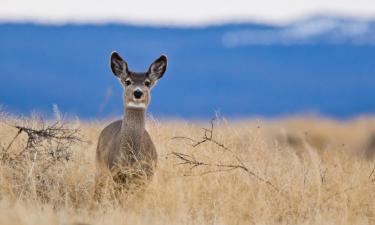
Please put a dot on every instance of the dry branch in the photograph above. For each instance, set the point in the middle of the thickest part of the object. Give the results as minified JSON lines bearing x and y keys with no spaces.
{"x":51,"y":142}
{"x":371,"y":181}
{"x":207,"y":137}
{"x":42,"y":149}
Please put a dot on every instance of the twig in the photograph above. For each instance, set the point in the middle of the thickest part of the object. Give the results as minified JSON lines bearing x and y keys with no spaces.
{"x":348,"y":189}
{"x":11,"y":142}
{"x":208,"y":137}
{"x":49,"y":141}
{"x":372,"y":172}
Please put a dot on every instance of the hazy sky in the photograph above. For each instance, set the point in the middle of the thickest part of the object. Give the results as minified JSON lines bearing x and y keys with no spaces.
{"x":177,"y":12}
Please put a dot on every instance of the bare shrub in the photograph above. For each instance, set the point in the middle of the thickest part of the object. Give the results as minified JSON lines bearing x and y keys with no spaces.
{"x":208,"y":137}
{"x":46,"y":148}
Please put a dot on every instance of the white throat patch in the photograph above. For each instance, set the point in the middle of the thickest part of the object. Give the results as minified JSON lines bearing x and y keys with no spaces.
{"x":136,"y":105}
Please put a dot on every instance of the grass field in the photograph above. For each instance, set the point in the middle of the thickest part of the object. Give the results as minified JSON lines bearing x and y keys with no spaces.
{"x":256,"y":171}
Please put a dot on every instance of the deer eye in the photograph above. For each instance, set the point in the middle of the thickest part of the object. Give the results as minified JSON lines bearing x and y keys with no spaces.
{"x":148,"y":83}
{"x":128,"y":82}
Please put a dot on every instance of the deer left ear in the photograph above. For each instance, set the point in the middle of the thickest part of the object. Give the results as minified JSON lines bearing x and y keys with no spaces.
{"x":118,"y":65}
{"x":158,"y":68}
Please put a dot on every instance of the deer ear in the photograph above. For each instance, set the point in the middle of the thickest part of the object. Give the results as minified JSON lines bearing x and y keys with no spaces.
{"x":118,"y":65}
{"x":158,"y":68}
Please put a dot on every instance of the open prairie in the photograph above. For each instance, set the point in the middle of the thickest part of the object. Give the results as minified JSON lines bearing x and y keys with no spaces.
{"x":301,"y":170}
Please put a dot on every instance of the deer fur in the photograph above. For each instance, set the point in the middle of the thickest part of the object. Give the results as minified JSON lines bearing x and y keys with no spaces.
{"x":125,"y":144}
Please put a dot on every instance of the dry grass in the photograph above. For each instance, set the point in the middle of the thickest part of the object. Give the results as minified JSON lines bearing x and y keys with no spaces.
{"x":318,"y":166}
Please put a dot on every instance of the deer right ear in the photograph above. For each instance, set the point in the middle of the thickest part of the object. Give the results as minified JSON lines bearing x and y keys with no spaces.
{"x":157,"y":68}
{"x":118,"y":65}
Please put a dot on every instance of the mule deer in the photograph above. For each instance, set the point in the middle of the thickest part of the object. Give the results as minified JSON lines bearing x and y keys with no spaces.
{"x":125,"y":144}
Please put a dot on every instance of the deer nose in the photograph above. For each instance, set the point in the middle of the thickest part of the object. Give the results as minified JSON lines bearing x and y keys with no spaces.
{"x":138,"y":94}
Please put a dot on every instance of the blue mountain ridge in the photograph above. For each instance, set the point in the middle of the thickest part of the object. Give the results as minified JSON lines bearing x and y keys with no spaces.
{"x":322,"y":65}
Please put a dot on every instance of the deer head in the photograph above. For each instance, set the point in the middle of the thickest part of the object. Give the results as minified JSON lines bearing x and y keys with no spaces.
{"x":137,"y":85}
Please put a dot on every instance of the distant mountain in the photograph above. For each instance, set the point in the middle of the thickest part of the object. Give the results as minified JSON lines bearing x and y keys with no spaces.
{"x":335,"y":31}
{"x":315,"y":30}
{"x":320,"y":64}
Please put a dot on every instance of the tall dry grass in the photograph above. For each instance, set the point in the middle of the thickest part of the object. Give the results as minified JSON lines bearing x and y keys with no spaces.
{"x":320,"y":168}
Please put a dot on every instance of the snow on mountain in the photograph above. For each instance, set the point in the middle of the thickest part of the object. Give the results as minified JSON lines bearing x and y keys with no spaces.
{"x":322,"y":30}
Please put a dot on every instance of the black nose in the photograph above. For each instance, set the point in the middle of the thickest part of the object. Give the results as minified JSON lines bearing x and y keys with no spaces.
{"x":138,"y":94}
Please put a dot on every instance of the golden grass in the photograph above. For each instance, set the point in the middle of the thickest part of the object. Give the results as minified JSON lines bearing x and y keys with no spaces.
{"x":318,"y":166}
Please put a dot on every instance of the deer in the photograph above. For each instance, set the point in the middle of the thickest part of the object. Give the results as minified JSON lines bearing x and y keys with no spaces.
{"x":125,"y":147}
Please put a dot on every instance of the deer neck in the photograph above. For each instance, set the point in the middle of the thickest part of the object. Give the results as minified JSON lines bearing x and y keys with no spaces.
{"x":132,"y":129}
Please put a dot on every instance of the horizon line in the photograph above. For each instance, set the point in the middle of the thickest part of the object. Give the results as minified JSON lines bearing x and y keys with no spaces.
{"x":182,"y":24}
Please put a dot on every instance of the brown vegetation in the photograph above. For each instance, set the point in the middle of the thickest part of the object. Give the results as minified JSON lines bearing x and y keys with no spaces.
{"x":289,"y":171}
